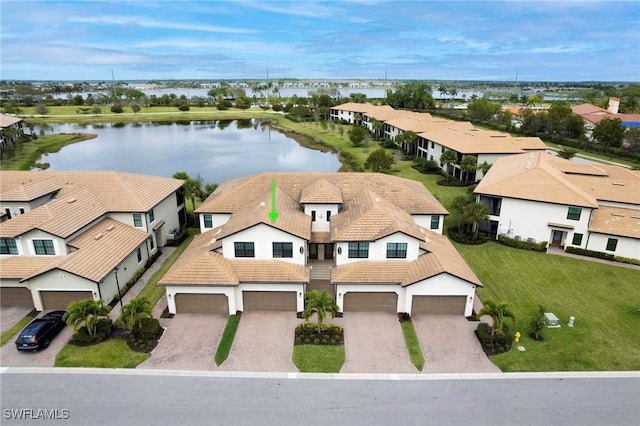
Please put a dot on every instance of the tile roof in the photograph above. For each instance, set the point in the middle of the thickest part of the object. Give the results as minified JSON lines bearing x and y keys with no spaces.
{"x":27,"y":190}
{"x":354,"y":107}
{"x":8,"y":120}
{"x":441,"y":257}
{"x":200,"y":265}
{"x":616,"y":221}
{"x":368,"y":217}
{"x":98,"y":251}
{"x":118,"y":191}
{"x":18,"y":267}
{"x":61,"y":217}
{"x":532,"y":176}
{"x":474,"y":141}
{"x":321,"y":191}
{"x":408,"y":195}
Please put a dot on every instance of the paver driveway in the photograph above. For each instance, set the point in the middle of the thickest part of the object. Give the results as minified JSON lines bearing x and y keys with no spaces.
{"x":10,"y":357}
{"x":450,"y":345}
{"x":189,"y":342}
{"x":10,"y":315}
{"x":374,"y":343}
{"x":263,"y":342}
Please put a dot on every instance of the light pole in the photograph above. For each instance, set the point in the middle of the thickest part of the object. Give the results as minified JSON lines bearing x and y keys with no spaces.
{"x":115,"y":271}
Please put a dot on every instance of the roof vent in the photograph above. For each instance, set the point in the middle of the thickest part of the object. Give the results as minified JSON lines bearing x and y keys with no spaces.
{"x":72,"y":200}
{"x":97,"y":237}
{"x":618,"y":183}
{"x":262,"y":204}
{"x":617,"y":215}
{"x":110,"y":227}
{"x":377,"y":199}
{"x":634,"y":217}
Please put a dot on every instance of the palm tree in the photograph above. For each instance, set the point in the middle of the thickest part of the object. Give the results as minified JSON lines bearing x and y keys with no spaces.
{"x":458,"y":204}
{"x":192,"y":187}
{"x":484,"y":168}
{"x":468,"y":164}
{"x":137,"y":308}
{"x":408,"y":141}
{"x":498,"y":312}
{"x":474,"y":213}
{"x":85,"y":313}
{"x":448,"y":158}
{"x":319,"y":303}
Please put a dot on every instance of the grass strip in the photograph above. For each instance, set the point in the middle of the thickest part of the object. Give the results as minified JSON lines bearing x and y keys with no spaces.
{"x":152,"y":291}
{"x":7,"y":335}
{"x":318,"y":358}
{"x":28,"y":153}
{"x":226,"y":341}
{"x":112,"y":353}
{"x":413,"y":344}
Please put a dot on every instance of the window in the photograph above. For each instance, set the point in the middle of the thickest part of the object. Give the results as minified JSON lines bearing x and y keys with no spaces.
{"x":152,"y":216}
{"x":612,"y":243}
{"x":244,"y":249}
{"x":574,"y":213}
{"x":8,"y":212}
{"x":179,"y":197}
{"x":139,"y":253}
{"x":435,"y":222}
{"x":208,"y":221}
{"x":432,"y":145}
{"x":577,"y":239}
{"x":282,"y":249}
{"x":151,"y":242}
{"x":8,"y":246}
{"x":328,"y":215}
{"x":137,"y":220}
{"x":21,"y":210}
{"x":396,"y":250}
{"x":313,"y":215}
{"x":44,"y":247}
{"x":358,"y":250}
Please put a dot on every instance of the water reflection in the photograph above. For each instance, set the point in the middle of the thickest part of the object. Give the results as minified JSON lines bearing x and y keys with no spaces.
{"x":218,"y":150}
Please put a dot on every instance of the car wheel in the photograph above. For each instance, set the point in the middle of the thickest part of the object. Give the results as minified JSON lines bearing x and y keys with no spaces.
{"x":46,"y":343}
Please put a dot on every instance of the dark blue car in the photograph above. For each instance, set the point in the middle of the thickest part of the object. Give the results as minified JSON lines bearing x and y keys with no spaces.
{"x":40,"y":332}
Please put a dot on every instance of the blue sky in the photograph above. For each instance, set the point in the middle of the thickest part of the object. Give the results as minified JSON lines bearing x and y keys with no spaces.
{"x":559,"y":40}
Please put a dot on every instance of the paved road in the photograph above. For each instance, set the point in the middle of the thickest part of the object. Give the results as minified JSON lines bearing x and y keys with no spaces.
{"x":145,"y":397}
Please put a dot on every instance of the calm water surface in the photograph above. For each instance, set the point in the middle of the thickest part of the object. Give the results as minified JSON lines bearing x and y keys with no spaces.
{"x":217,"y":150}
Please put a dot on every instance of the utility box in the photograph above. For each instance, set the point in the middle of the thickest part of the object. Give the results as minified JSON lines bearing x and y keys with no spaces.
{"x":551,"y":320}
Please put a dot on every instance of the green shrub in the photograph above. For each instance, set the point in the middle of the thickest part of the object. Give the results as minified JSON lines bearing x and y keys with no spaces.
{"x":629,"y":260}
{"x":525,"y":245}
{"x":104,"y":328}
{"x":493,"y":344}
{"x":307,"y":333}
{"x":590,"y":253}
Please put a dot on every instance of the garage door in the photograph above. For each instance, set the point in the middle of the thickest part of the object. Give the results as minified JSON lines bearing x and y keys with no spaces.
{"x":269,"y":301}
{"x":371,"y":302}
{"x":15,"y":296}
{"x":438,"y":305}
{"x":60,"y":299}
{"x":202,"y":303}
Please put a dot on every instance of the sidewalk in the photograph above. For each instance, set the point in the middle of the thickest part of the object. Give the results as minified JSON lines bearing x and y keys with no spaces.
{"x":559,"y":252}
{"x":144,"y":279}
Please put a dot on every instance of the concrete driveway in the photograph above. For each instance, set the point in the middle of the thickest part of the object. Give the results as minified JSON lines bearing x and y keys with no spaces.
{"x":374,"y":343}
{"x":189,"y":342}
{"x":10,"y":315}
{"x":450,"y":345}
{"x":263,"y":342}
{"x":10,"y":357}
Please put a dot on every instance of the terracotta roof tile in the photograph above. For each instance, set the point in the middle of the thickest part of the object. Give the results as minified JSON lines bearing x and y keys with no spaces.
{"x":18,"y":267}
{"x":475,"y":141}
{"x":321,"y":191}
{"x":616,"y":221}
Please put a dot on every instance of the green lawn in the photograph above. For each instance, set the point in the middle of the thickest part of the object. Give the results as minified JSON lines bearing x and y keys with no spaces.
{"x":112,"y":353}
{"x":7,"y":335}
{"x":226,"y":341}
{"x":318,"y":358}
{"x":604,"y":299}
{"x":26,"y":157}
{"x":413,"y":344}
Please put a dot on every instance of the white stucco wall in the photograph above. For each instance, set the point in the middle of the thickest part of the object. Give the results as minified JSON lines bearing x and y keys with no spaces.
{"x":26,"y":241}
{"x":166,"y":210}
{"x":263,"y":237}
{"x":626,"y":247}
{"x":528,"y":219}
{"x":440,"y":285}
{"x":424,"y":220}
{"x":342,"y":254}
{"x":378,"y":249}
{"x":342,"y":289}
{"x":218,"y":219}
{"x":321,"y":224}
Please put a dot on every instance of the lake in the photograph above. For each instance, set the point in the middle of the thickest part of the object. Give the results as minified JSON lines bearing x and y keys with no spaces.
{"x":217,"y":150}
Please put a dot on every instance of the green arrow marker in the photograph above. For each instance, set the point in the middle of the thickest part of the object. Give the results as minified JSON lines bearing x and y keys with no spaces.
{"x":273,"y":214}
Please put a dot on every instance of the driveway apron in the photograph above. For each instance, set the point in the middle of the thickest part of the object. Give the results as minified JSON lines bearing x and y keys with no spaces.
{"x":263,"y":342}
{"x":11,"y":315}
{"x":374,"y":343}
{"x":11,"y":357}
{"x":450,"y":345}
{"x":189,"y":342}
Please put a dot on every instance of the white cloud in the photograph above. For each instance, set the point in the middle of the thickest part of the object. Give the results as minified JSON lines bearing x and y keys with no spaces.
{"x":150,"y":23}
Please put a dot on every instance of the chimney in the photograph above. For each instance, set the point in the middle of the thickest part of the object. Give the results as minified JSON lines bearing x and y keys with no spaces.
{"x":614,"y":104}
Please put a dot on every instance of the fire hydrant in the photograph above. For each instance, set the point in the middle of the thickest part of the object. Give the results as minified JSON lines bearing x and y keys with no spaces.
{"x":517,"y":336}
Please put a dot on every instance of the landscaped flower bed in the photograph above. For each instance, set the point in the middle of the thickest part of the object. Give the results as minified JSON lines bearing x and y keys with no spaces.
{"x":307,"y":334}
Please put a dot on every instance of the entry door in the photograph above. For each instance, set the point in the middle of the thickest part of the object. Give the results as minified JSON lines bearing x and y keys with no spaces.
{"x":557,"y":238}
{"x":313,"y":251}
{"x":328,"y":251}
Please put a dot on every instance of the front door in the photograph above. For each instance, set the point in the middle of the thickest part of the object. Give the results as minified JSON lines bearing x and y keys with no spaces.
{"x":313,"y":251}
{"x":557,"y":238}
{"x":328,"y":251}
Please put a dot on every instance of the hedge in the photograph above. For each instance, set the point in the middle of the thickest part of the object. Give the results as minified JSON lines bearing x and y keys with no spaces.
{"x":104,"y":328}
{"x":307,"y":334}
{"x":525,"y":245}
{"x":493,"y":344}
{"x":602,"y":255}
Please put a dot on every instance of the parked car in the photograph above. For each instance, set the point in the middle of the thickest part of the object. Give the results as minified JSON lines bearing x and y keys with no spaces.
{"x":39,"y":333}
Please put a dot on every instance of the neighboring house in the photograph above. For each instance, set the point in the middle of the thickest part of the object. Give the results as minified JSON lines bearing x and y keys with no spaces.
{"x":75,"y":235}
{"x":540,"y":197}
{"x":487,"y":146}
{"x":372,"y":240}
{"x":11,"y":128}
{"x":592,"y":115}
{"x":352,"y":112}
